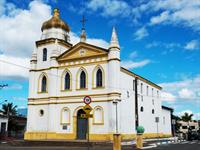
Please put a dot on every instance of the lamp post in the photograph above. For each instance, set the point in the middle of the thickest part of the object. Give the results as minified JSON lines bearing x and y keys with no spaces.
{"x":116,"y":136}
{"x":115,"y":101}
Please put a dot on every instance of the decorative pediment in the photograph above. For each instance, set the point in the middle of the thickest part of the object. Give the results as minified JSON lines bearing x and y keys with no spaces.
{"x":81,"y":51}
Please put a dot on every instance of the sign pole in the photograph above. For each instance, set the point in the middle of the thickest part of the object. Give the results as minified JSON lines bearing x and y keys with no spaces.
{"x":88,"y":131}
{"x":87,"y":108}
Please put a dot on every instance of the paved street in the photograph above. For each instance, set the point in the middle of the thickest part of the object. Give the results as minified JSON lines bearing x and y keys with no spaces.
{"x":187,"y":145}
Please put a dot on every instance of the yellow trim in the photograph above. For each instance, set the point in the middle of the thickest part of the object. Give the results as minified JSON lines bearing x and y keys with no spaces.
{"x":77,"y":96}
{"x":63,"y":80}
{"x":94,"y":75}
{"x":76,"y":110}
{"x":78,"y":78}
{"x":66,"y":90}
{"x":52,"y":41}
{"x":93,"y":137}
{"x":102,"y":116}
{"x":39,"y":83}
{"x":67,"y":102}
{"x":98,"y":88}
{"x":63,"y":136}
{"x":71,"y":66}
{"x":61,"y":116}
{"x":82,"y":89}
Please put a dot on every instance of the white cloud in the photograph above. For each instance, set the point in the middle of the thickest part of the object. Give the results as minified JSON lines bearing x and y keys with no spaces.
{"x":186,"y":89}
{"x":19,"y":99}
{"x":94,"y":41}
{"x":14,"y":87}
{"x":192,"y":45}
{"x":186,"y":93}
{"x":109,"y":7}
{"x":159,"y":19}
{"x":196,"y":115}
{"x":176,"y":12}
{"x":133,"y":54}
{"x":132,"y":64}
{"x":21,"y":28}
{"x":168,"y":97}
{"x":141,"y":33}
{"x":13,"y":67}
{"x":185,"y":111}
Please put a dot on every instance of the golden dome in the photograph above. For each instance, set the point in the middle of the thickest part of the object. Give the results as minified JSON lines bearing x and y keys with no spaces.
{"x":55,"y":22}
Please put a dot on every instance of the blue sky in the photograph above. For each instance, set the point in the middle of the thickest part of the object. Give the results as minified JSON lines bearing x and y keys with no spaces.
{"x":159,"y":40}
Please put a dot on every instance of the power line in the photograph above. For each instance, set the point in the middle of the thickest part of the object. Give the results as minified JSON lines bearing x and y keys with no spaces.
{"x":144,"y":95}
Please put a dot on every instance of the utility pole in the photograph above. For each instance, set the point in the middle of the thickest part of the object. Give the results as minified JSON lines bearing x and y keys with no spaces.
{"x":136,"y":104}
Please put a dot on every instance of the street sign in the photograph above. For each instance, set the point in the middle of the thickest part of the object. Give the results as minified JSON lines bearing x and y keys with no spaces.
{"x":86,"y":116}
{"x":157,"y":119}
{"x":87,"y":100}
{"x":87,"y":109}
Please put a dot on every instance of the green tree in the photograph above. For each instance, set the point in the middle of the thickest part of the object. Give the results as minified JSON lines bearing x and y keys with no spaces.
{"x":9,"y":109}
{"x":177,"y":124}
{"x":187,"y":117}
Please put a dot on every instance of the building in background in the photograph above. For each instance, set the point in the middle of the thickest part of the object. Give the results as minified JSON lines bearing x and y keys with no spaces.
{"x":62,"y":74}
{"x":191,"y":125}
{"x":3,"y":125}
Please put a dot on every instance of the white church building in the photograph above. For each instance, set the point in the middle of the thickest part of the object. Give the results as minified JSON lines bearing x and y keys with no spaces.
{"x":62,"y":74}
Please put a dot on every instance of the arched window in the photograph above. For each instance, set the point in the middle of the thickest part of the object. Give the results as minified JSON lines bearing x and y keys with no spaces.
{"x":65,"y":116}
{"x":67,"y":81}
{"x":99,"y":78}
{"x":44,"y":84}
{"x":82,"y":80}
{"x":98,"y":115}
{"x":44,"y":54}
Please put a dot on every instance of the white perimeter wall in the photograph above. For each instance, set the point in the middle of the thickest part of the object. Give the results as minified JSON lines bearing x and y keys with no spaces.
{"x":166,"y":121}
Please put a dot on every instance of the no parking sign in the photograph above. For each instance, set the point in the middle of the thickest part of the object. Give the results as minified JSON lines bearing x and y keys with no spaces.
{"x":87,"y":100}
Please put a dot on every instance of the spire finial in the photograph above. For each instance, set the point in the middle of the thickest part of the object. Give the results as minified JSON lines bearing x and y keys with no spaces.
{"x":83,"y":32}
{"x":56,"y":12}
{"x":114,"y":43}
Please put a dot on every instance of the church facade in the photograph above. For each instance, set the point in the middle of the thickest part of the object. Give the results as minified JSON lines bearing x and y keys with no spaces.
{"x":62,"y":74}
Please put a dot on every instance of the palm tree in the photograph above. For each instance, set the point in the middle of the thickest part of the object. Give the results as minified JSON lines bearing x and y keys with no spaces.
{"x":187,"y":117}
{"x":9,"y":109}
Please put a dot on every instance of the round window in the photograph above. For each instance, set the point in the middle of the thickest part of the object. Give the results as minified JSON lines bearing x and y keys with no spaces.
{"x":41,"y":112}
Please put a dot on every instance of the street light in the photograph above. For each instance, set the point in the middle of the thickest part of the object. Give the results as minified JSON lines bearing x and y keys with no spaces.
{"x":115,"y":101}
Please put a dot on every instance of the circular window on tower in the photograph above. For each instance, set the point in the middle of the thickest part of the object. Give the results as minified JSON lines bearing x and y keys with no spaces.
{"x":41,"y":112}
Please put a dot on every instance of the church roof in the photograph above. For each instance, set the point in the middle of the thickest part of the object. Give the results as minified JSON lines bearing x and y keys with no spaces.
{"x":167,"y":108}
{"x":99,"y":50}
{"x":55,"y":22}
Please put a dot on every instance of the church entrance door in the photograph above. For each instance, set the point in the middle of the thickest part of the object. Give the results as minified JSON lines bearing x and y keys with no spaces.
{"x":81,"y":125}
